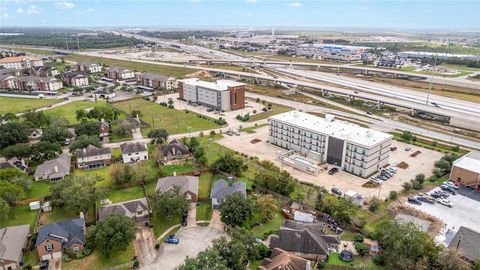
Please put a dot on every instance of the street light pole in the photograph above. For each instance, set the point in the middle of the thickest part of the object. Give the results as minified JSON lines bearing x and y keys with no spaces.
{"x":431,"y":79}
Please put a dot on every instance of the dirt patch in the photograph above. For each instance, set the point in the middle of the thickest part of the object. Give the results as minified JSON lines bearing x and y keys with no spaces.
{"x":416,"y":153}
{"x":254,"y":141}
{"x":402,"y":165}
{"x":398,"y":207}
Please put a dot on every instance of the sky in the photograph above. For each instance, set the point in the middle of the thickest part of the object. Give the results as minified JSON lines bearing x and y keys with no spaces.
{"x":399,"y":14}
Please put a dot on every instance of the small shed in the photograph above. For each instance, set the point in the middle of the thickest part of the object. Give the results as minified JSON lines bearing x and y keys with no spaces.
{"x":35,"y":205}
{"x":47,"y":206}
{"x":301,"y":216}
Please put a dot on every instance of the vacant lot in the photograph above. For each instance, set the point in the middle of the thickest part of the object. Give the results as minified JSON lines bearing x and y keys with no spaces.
{"x":422,"y":163}
{"x":174,"y":121}
{"x":140,"y":67}
{"x":17,"y":105}
{"x":68,"y":110}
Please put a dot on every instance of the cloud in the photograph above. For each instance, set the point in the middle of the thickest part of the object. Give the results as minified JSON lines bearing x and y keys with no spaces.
{"x":251,"y":1}
{"x":295,"y":5}
{"x":20,"y":11}
{"x":33,"y":10}
{"x":249,"y":14}
{"x":64,"y":5}
{"x":7,"y":16}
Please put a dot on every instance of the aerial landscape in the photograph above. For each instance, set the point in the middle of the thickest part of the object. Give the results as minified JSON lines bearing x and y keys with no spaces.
{"x":244,"y":135}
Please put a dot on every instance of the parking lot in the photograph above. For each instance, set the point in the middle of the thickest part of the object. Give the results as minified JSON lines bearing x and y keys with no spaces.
{"x":192,"y":241}
{"x":422,"y":163}
{"x":465,"y":212}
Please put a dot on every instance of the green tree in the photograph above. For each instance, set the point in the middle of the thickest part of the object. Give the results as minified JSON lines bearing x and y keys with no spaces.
{"x":19,"y":150}
{"x":136,"y":113}
{"x":122,"y":174}
{"x":230,"y":164}
{"x":407,"y":136}
{"x":89,"y":129}
{"x":270,"y":176}
{"x":267,"y":206}
{"x":4,"y":209}
{"x":235,"y":209}
{"x":114,"y":233}
{"x":11,"y":192}
{"x":45,"y":150}
{"x":12,"y":133}
{"x":124,"y":128}
{"x":393,"y":195}
{"x":420,"y":178}
{"x":57,"y":131}
{"x":105,"y":113}
{"x":8,"y":117}
{"x":81,"y":116}
{"x":341,"y":209}
{"x":192,"y":144}
{"x":169,"y":204}
{"x":158,"y":136}
{"x":374,"y":204}
{"x":83,"y":141}
{"x":209,"y":259}
{"x":199,"y":155}
{"x":407,"y":186}
{"x":35,"y":119}
{"x":76,"y":193}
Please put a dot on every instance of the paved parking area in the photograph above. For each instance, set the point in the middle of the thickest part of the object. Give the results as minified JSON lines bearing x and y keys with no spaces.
{"x":192,"y":241}
{"x":465,"y":212}
{"x":422,"y":163}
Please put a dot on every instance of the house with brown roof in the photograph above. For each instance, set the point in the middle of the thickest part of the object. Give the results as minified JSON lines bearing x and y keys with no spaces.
{"x":306,"y":240}
{"x":284,"y":260}
{"x":92,"y":157}
{"x":175,"y":150}
{"x":89,"y":67}
{"x":156,"y":81}
{"x":12,"y":243}
{"x":118,"y":73}
{"x":188,"y":185}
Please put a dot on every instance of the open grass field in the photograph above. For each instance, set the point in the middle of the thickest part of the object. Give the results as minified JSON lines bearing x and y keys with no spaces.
{"x":160,"y":224}
{"x":102,"y":176}
{"x":29,"y":50}
{"x":177,"y":72}
{"x":17,"y":105}
{"x":204,"y":211}
{"x":205,"y":182}
{"x":174,"y":121}
{"x":20,"y":215}
{"x":39,"y":189}
{"x":271,"y":225}
{"x":125,"y":194}
{"x":68,"y":110}
{"x":276,"y":109}
{"x":97,"y":261}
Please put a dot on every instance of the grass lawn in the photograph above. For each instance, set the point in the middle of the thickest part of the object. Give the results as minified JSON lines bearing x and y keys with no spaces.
{"x":125,"y":194}
{"x":170,"y":169}
{"x":68,"y":110}
{"x":213,"y":150}
{"x":31,"y":258}
{"x":204,"y":185}
{"x":17,"y":105}
{"x":251,"y":130}
{"x":271,"y":225}
{"x":178,"y":72}
{"x":102,"y":176}
{"x":58,"y":214}
{"x":255,"y":264}
{"x":276,"y":109}
{"x":160,"y":224}
{"x":204,"y":211}
{"x":39,"y":189}
{"x":97,"y":261}
{"x":20,"y":215}
{"x":358,"y":262}
{"x":174,"y":121}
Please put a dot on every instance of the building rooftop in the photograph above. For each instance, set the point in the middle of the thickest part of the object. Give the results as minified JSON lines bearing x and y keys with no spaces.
{"x":332,"y":127}
{"x":12,"y":241}
{"x":220,"y":85}
{"x":15,"y":59}
{"x":470,"y":162}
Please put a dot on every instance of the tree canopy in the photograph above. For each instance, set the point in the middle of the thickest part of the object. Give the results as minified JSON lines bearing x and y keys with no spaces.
{"x":114,"y":233}
{"x":12,"y":133}
{"x":230,"y":163}
{"x":169,"y":204}
{"x":158,"y":136}
{"x":269,"y":176}
{"x":76,"y":193}
{"x":235,"y":209}
{"x":83,"y":141}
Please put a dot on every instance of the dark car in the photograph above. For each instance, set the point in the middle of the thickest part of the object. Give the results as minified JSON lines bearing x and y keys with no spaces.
{"x":336,"y":191}
{"x":210,"y":109}
{"x":425,"y":199}
{"x":44,"y":265}
{"x":449,"y":189}
{"x":333,"y":171}
{"x":414,"y":200}
{"x":172,"y":239}
{"x":184,"y":219}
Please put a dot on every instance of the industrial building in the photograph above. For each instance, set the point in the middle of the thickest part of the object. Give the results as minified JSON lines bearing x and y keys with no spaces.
{"x":223,"y":95}
{"x":466,"y":170}
{"x":360,"y":151}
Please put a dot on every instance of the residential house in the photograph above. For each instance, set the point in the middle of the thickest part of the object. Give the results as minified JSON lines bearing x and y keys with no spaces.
{"x":175,"y":150}
{"x":35,"y":135}
{"x":133,"y":152}
{"x":89,"y":67}
{"x":221,"y":189}
{"x":306,"y":240}
{"x":156,"y":81}
{"x":135,"y":209}
{"x":104,"y":129}
{"x":34,"y":83}
{"x":12,"y":243}
{"x":284,"y":260}
{"x":54,"y":238}
{"x":118,"y":73}
{"x":55,"y":169}
{"x":75,"y":79}
{"x":188,"y":185}
{"x":21,"y":62}
{"x":103,"y":93}
{"x":92,"y":157}
{"x":466,"y":244}
{"x":8,"y":81}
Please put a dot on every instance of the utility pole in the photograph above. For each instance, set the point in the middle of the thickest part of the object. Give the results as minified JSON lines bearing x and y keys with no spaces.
{"x":431,"y":79}
{"x":78,"y":44}
{"x":66,"y":41}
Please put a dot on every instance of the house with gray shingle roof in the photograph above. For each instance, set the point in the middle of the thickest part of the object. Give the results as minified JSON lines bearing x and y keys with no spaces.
{"x":175,"y":150}
{"x":466,"y":243}
{"x":304,"y":239}
{"x":133,"y":152}
{"x":188,"y":185}
{"x":55,"y":169}
{"x":92,"y":157}
{"x":53,"y":238}
{"x":12,"y":242}
{"x":221,"y":189}
{"x":134,"y":209}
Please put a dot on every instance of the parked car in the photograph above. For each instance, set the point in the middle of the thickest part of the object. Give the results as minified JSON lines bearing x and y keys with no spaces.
{"x":332,"y":171}
{"x":408,"y":149}
{"x":374,"y":177}
{"x":184,"y":219}
{"x":425,"y":199}
{"x":449,"y":189}
{"x":445,"y":202}
{"x":383,"y":178}
{"x":439,"y":194}
{"x":450,"y":184}
{"x":414,"y":200}
{"x":229,"y":133}
{"x":393,"y":148}
{"x":236,"y":132}
{"x":392,"y":169}
{"x":336,"y":191}
{"x":44,"y":264}
{"x":172,"y":239}
{"x":377,"y":181}
{"x":369,"y":113}
{"x":210,"y":109}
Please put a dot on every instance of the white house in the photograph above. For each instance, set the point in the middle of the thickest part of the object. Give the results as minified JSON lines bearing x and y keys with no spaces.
{"x":92,"y":157}
{"x":134,"y":152}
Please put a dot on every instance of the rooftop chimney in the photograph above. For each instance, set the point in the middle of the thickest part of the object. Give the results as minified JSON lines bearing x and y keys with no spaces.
{"x":55,"y":168}
{"x":230,"y":181}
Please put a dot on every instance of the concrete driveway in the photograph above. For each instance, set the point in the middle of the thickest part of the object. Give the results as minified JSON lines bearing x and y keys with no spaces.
{"x":145,"y":246}
{"x":192,"y":215}
{"x":216,"y":222}
{"x":192,"y":241}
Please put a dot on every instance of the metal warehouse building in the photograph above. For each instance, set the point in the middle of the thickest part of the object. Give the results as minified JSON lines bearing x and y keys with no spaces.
{"x":466,"y":170}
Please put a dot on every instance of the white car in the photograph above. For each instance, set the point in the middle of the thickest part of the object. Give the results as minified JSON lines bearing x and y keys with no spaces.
{"x":392,"y":169}
{"x":450,"y":184}
{"x":445,"y":202}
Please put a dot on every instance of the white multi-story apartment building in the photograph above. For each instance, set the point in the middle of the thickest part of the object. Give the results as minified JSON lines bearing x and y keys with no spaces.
{"x":89,"y":67}
{"x":75,"y":79}
{"x":21,"y":62}
{"x":360,"y":151}
{"x":222,"y":95}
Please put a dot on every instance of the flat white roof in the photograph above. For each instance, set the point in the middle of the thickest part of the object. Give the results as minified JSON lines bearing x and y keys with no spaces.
{"x":339,"y":129}
{"x":470,"y":162}
{"x":220,"y":85}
